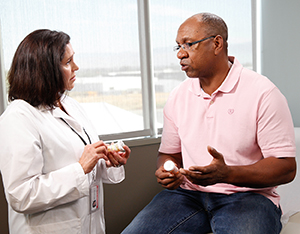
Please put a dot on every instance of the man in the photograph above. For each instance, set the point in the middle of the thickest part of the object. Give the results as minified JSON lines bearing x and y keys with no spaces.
{"x":231,"y":132}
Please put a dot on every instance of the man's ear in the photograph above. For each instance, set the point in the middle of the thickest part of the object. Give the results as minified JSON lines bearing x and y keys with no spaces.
{"x":218,"y":44}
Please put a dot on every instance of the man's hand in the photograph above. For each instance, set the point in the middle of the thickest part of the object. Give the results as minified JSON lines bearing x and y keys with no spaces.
{"x":216,"y":172}
{"x":167,"y":179}
{"x":267,"y":172}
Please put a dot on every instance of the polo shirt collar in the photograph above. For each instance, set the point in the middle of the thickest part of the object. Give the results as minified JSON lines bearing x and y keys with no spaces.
{"x":227,"y":85}
{"x":232,"y":77}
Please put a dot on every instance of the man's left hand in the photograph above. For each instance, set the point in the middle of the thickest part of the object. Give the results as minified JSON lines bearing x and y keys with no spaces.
{"x":215,"y":172}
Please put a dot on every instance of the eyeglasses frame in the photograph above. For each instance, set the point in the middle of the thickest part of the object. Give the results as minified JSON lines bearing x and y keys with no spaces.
{"x":189,"y":44}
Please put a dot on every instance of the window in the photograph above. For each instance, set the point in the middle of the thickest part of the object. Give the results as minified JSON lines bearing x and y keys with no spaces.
{"x":165,"y":20}
{"x":124,"y":51}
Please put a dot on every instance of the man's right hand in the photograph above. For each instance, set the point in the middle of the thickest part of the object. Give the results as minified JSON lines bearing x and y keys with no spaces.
{"x":167,"y":179}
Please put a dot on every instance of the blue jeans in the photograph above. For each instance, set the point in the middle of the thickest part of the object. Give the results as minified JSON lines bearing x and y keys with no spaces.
{"x":184,"y":211}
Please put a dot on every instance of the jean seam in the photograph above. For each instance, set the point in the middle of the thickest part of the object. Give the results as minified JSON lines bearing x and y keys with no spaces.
{"x":184,"y":220}
{"x":212,"y":224}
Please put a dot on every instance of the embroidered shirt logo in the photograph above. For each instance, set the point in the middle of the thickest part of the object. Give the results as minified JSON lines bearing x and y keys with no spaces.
{"x":230,"y":111}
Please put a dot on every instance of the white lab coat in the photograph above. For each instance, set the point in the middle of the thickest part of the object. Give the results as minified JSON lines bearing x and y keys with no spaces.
{"x":45,"y":186}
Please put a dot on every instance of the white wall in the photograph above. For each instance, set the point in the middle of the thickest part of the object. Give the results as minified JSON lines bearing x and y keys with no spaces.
{"x":281,"y":49}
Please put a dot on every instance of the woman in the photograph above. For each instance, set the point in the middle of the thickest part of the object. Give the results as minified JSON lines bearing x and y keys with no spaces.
{"x":51,"y":160}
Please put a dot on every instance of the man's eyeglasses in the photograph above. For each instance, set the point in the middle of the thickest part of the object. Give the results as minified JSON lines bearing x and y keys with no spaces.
{"x":186,"y":46}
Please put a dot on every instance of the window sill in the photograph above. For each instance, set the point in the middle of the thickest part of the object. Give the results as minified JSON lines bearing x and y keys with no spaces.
{"x":140,"y":141}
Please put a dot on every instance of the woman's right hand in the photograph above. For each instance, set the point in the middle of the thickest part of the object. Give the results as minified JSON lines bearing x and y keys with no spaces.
{"x":91,"y":155}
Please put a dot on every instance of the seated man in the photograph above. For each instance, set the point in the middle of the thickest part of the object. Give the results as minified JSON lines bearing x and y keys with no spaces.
{"x":230,"y":131}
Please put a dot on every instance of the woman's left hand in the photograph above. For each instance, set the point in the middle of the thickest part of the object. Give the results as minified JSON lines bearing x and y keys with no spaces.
{"x":118,"y":158}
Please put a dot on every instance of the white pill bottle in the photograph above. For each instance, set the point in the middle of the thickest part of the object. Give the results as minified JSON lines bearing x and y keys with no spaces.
{"x":170,"y":166}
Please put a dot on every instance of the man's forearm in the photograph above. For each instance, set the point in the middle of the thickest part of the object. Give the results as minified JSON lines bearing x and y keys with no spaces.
{"x":268,"y":172}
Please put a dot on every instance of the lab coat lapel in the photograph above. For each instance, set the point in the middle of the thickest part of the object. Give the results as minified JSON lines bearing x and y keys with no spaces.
{"x":58,"y":113}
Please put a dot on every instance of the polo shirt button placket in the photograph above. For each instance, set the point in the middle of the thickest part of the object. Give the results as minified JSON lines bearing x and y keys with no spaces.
{"x":209,"y":114}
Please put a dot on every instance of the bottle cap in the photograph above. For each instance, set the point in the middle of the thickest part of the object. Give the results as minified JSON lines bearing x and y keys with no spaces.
{"x":169,"y":165}
{"x":120,"y":145}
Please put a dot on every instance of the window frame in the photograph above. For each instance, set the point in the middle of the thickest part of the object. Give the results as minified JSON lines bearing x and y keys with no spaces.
{"x":3,"y":92}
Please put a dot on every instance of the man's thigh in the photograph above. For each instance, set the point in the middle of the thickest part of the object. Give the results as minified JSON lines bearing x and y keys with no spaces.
{"x":245,"y":213}
{"x":171,"y":211}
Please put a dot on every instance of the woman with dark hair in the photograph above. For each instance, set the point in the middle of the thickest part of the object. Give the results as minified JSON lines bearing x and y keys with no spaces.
{"x":52,"y":162}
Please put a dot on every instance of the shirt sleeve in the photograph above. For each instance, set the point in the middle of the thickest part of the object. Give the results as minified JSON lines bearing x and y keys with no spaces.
{"x":170,"y":140}
{"x":275,"y":130}
{"x":27,"y":188}
{"x":111,"y":175}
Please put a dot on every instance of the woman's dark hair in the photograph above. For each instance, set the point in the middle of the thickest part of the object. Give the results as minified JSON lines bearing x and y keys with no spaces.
{"x":35,"y":75}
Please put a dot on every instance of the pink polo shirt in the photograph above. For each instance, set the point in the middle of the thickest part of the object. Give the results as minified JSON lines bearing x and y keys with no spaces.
{"x":246,"y":119}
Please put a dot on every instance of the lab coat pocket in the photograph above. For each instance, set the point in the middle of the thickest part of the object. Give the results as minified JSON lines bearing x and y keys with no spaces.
{"x":66,"y":227}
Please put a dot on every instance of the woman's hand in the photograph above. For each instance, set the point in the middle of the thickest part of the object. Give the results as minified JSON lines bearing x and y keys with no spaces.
{"x":91,"y":155}
{"x":118,"y":158}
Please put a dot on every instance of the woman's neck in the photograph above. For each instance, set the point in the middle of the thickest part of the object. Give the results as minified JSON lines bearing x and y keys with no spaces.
{"x":62,"y":107}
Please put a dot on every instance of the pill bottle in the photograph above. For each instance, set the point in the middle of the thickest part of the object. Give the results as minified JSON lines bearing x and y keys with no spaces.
{"x":170,"y":166}
{"x":118,"y":146}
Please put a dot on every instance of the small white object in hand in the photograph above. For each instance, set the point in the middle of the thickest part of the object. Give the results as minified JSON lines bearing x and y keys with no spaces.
{"x":170,"y":166}
{"x":118,"y":146}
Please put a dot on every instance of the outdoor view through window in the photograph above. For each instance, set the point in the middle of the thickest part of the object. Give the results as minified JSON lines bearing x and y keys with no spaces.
{"x":105,"y":38}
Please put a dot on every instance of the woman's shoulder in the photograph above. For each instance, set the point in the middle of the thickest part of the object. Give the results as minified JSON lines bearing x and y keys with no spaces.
{"x":19,"y":106}
{"x":19,"y":111}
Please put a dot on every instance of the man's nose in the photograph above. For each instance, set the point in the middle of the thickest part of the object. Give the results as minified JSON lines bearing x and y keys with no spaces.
{"x":182,"y":53}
